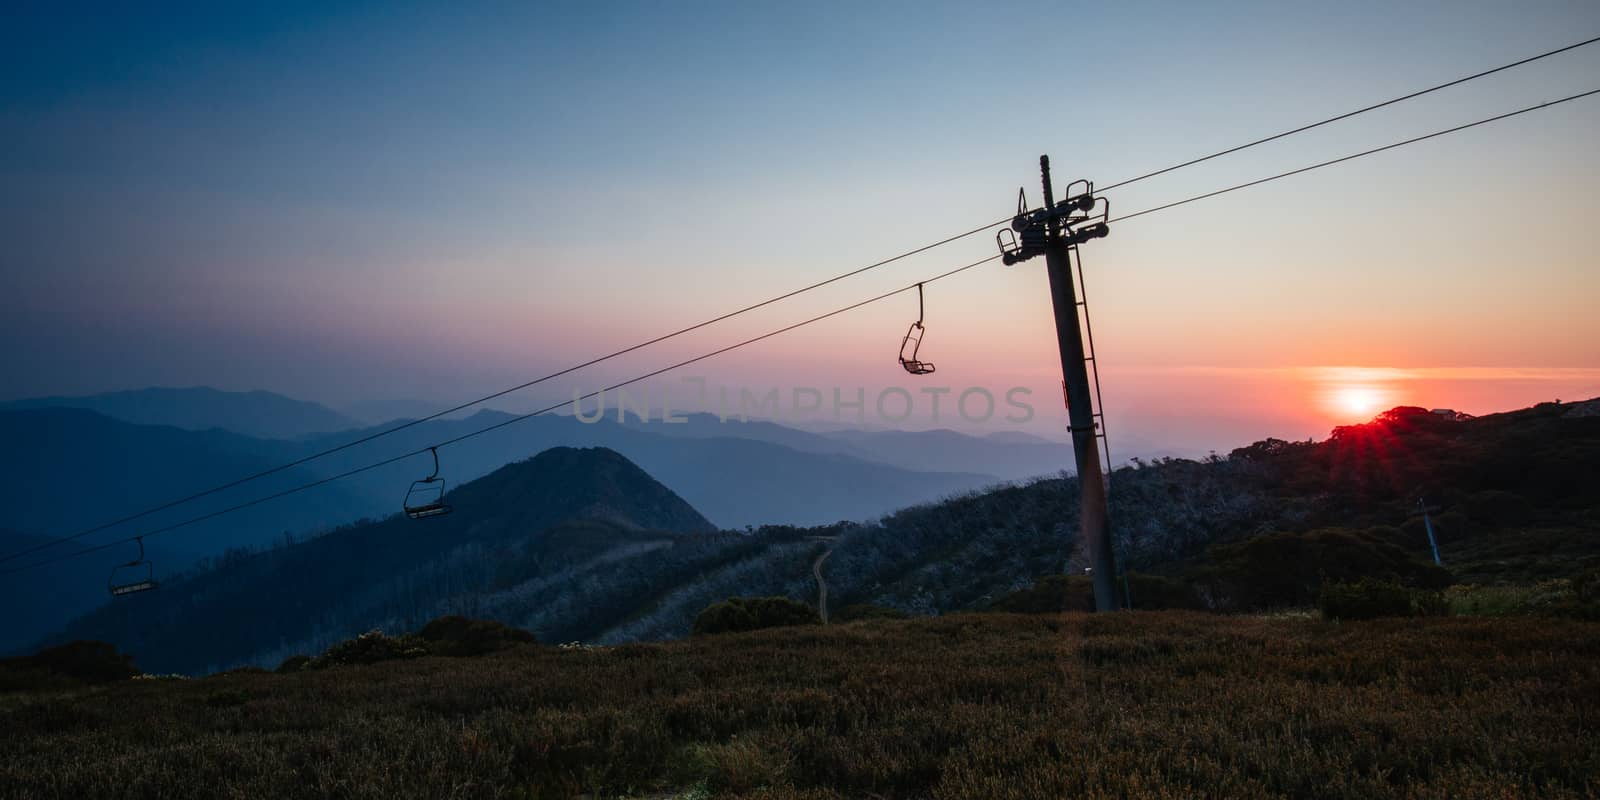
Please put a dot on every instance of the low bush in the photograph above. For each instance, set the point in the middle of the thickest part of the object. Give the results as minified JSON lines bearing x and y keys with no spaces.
{"x":753,"y":613}
{"x":293,"y":664}
{"x":227,"y":698}
{"x":1154,"y":592}
{"x":740,"y":766}
{"x":82,"y":662}
{"x":244,"y":670}
{"x":460,"y":636}
{"x":370,"y":648}
{"x":1371,"y":599}
{"x":1051,"y":595}
{"x":1577,"y":597}
{"x":1281,"y":570}
{"x":864,"y":611}
{"x":1429,"y":604}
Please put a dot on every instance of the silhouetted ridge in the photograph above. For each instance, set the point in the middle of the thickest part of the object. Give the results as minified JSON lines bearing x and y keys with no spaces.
{"x":572,"y":483}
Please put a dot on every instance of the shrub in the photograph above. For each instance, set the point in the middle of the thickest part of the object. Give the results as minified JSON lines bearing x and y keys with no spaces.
{"x":1452,"y":526}
{"x":1583,"y":601}
{"x":86,"y":661}
{"x":864,"y":611}
{"x":227,"y":698}
{"x":739,"y":766}
{"x":1365,"y":599}
{"x":370,"y":648}
{"x":1429,"y":604}
{"x":1586,"y":588}
{"x":753,"y":613}
{"x":1498,"y":508}
{"x":248,"y":669}
{"x":1051,"y":595}
{"x":1577,"y":597}
{"x":1153,"y":592}
{"x":293,"y":664}
{"x":460,"y":636}
{"x":1276,"y":570}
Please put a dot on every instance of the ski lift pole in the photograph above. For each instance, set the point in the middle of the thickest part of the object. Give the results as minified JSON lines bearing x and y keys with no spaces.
{"x":1093,"y":522}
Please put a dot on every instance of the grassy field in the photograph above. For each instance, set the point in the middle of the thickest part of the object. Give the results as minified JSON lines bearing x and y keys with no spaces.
{"x":1160,"y":704}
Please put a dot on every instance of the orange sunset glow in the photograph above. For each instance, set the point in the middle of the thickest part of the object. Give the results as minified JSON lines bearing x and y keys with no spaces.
{"x":1358,"y":400}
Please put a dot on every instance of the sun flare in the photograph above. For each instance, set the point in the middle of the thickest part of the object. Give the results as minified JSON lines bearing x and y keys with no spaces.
{"x":1358,"y":400}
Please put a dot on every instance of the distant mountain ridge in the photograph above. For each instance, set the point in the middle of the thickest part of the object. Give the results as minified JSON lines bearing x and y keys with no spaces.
{"x":1005,"y":455}
{"x":85,"y":469}
{"x":260,"y":414}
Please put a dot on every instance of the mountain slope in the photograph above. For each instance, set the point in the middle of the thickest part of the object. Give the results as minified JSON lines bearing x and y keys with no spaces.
{"x":1514,"y":497}
{"x":259,"y":414}
{"x":560,"y":508}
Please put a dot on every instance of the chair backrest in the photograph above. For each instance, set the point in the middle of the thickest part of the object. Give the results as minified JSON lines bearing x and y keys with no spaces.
{"x":912,"y":343}
{"x":426,"y":499}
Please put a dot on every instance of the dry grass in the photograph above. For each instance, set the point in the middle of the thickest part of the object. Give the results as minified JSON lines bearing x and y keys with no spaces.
{"x":1165,"y":704}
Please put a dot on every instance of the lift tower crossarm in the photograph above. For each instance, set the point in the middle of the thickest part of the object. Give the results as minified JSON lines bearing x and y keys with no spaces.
{"x":1060,"y":232}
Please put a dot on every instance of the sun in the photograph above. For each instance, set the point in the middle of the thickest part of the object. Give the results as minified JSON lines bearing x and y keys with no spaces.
{"x":1358,"y":400}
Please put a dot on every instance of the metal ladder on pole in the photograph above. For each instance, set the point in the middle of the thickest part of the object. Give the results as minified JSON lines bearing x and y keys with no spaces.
{"x":1075,"y":258}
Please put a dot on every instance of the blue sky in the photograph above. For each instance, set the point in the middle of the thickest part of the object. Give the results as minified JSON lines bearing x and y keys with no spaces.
{"x":417,"y":201}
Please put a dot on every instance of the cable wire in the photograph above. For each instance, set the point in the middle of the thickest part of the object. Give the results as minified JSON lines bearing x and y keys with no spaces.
{"x":786,"y":329}
{"x":746,"y":342}
{"x":1353,"y":156}
{"x":463,"y":406}
{"x":834,"y":279}
{"x":415,"y":422}
{"x":496,"y":426}
{"x":1349,"y":114}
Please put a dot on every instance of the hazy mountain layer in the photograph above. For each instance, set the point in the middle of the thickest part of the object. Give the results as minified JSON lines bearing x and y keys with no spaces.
{"x":734,"y":481}
{"x":261,"y":414}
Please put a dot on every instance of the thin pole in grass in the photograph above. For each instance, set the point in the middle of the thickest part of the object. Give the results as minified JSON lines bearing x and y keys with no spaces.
{"x":1427,"y":524}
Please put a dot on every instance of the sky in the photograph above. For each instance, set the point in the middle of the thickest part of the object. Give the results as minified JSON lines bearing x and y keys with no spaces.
{"x":413,"y":205}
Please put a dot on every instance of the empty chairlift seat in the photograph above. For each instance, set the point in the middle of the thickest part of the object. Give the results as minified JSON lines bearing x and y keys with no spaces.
{"x":913,"y":342}
{"x":426,"y":497}
{"x":133,"y":577}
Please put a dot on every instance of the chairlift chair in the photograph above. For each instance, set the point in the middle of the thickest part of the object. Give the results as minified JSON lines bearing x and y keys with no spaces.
{"x":426,"y":497}
{"x":913,"y":342}
{"x":128,"y":579}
